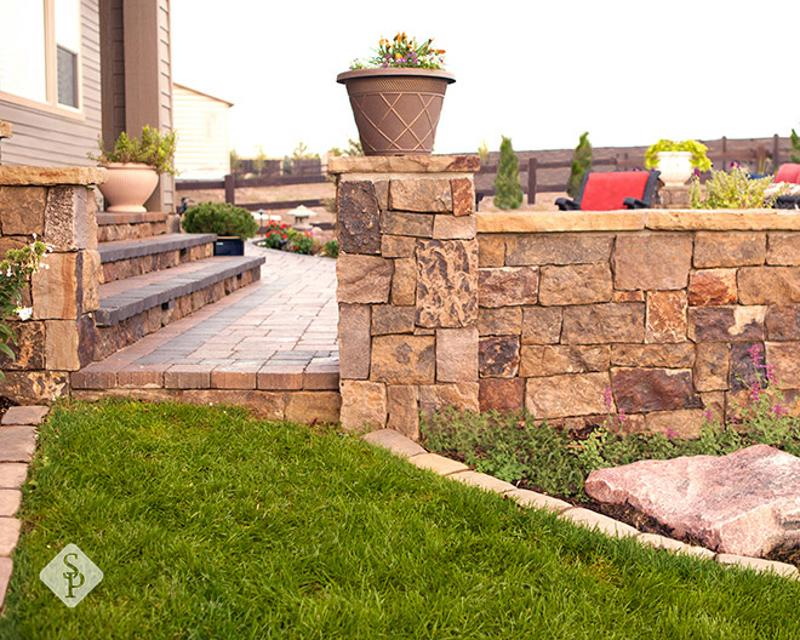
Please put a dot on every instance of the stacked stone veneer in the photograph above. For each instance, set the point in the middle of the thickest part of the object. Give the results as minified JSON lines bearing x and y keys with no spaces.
{"x":407,"y":288}
{"x":57,"y":206}
{"x":661,"y":308}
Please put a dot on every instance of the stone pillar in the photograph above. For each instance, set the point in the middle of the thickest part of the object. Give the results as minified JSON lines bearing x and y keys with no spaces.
{"x":675,"y":197}
{"x":56,"y":205}
{"x":407,"y":288}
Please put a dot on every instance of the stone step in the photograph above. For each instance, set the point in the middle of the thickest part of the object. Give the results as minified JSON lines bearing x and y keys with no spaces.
{"x":128,"y":258}
{"x":129,"y":226}
{"x":135,"y":307}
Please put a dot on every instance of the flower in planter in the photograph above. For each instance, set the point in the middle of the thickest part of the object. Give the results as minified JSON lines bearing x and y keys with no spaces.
{"x":403,"y":52}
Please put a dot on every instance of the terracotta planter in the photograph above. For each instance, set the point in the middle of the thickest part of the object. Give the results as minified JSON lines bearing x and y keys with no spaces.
{"x":128,"y":186}
{"x":396,"y":110}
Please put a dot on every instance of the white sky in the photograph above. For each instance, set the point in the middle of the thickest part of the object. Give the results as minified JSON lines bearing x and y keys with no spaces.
{"x":542,"y":72}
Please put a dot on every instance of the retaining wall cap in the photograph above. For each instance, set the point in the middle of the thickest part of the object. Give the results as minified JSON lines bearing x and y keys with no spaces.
{"x":638,"y":220}
{"x":404,"y":164}
{"x":23,"y":175}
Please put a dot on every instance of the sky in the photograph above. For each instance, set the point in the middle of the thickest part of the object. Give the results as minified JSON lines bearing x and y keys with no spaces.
{"x":539,"y":72}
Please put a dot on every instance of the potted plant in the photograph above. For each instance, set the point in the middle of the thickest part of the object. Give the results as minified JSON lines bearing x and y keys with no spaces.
{"x":133,"y":166}
{"x":677,"y":160}
{"x":397,"y":96}
{"x":231,"y":224}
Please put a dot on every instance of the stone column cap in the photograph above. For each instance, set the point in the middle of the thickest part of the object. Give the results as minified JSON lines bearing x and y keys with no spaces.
{"x":5,"y":129}
{"x":404,"y":164}
{"x":24,"y":175}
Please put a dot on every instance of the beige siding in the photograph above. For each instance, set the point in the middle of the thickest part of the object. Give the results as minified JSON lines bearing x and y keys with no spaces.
{"x":165,"y":92}
{"x":42,"y":137}
{"x":203,"y":135}
{"x":113,"y":69}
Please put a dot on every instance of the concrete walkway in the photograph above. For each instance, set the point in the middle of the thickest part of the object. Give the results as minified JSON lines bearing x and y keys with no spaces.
{"x":279,"y":333}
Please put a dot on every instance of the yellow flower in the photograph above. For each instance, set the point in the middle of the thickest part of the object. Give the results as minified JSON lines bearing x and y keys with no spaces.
{"x":397,"y":56}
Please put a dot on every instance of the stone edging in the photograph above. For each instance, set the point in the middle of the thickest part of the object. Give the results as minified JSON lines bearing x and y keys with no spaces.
{"x":23,"y":175}
{"x":17,"y":444}
{"x":406,"y":448}
{"x":638,"y":220}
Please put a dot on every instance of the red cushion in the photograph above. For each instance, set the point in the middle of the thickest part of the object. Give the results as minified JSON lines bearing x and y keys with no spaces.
{"x":607,"y":191}
{"x":789,"y":172}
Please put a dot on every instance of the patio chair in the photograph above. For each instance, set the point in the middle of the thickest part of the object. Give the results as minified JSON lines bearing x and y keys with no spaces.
{"x":610,"y":191}
{"x":788,"y":172}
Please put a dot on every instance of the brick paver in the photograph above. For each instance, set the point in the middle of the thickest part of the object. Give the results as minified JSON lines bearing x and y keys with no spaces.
{"x":279,"y":333}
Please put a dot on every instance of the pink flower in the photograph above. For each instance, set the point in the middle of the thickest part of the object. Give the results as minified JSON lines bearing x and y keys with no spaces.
{"x":770,"y":372}
{"x":608,"y":398}
{"x":708,"y":415}
{"x":755,"y":352}
{"x":755,"y":391}
{"x":671,"y":434}
{"x":621,"y":417}
{"x":779,"y":410}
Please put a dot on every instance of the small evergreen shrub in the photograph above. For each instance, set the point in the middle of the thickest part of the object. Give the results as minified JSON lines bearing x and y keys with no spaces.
{"x":508,"y":192}
{"x":331,"y":249}
{"x":220,"y":218}
{"x":581,"y":164}
{"x":795,"y":138}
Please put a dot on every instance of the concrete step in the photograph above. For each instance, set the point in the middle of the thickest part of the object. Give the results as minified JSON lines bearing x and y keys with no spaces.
{"x":129,"y":226}
{"x":128,"y":258}
{"x":135,"y":307}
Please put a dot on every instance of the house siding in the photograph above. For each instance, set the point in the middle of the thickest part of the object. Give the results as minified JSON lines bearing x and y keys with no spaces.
{"x":203,"y":149}
{"x":42,"y":137}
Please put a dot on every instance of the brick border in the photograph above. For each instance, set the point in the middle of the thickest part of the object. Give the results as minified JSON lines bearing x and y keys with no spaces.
{"x":18,"y":432}
{"x":415,"y":454}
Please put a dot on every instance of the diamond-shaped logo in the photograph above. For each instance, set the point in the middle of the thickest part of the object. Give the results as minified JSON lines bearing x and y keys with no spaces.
{"x":71,"y":575}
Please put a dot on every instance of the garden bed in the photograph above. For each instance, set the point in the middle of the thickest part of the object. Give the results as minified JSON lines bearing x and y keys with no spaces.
{"x":556,"y":461}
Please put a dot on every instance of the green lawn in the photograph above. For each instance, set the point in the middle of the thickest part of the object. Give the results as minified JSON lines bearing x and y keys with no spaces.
{"x":210,"y":524}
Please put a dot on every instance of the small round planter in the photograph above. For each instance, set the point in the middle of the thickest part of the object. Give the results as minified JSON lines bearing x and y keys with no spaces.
{"x":396,"y":110}
{"x":128,"y":186}
{"x":675,"y":167}
{"x":229,"y":246}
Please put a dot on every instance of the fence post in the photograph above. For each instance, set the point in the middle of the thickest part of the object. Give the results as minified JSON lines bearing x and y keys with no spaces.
{"x":533,"y":165}
{"x":724,"y":152}
{"x":776,"y":152}
{"x":230,"y":188}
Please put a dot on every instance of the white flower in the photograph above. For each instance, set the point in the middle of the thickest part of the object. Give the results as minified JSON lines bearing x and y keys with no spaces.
{"x":24,"y":313}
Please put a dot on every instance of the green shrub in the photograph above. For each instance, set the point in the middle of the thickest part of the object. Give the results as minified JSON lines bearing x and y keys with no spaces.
{"x":732,"y":190}
{"x":581,"y":164}
{"x":699,"y":151}
{"x":331,"y":249}
{"x":16,"y":267}
{"x":795,"y":138}
{"x":301,"y":242}
{"x":220,"y":218}
{"x":508,"y":192}
{"x":152,"y":148}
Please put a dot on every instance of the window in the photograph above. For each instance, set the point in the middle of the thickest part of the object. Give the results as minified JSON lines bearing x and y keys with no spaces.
{"x":40,"y":54}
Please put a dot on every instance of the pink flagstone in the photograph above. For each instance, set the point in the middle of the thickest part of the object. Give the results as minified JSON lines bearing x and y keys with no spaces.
{"x":745,"y":503}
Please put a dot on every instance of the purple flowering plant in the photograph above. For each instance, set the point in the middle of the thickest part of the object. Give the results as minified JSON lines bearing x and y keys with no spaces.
{"x":403,"y":52}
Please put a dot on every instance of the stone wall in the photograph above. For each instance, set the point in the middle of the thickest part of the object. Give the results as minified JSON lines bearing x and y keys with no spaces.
{"x":407,"y":288}
{"x":661,"y":308}
{"x":58,"y":207}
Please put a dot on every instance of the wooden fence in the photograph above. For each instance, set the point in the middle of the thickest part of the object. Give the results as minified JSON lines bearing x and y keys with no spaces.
{"x":232,"y":182}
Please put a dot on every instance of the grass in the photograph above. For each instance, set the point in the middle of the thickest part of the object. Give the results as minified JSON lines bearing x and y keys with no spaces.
{"x":210,"y":524}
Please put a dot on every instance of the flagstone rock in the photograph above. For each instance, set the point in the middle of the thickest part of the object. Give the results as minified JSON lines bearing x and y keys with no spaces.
{"x":559,"y":248}
{"x":732,"y":249}
{"x":389,"y":318}
{"x":711,"y":366}
{"x":449,"y":227}
{"x":785,"y":358}
{"x":407,"y":224}
{"x":508,"y":286}
{"x":769,"y":285}
{"x":603,"y":323}
{"x":675,"y":356}
{"x":22,"y":210}
{"x":575,"y":284}
{"x":457,"y":355}
{"x":421,"y":194}
{"x":398,"y":246}
{"x":402,"y":406}
{"x":491,"y":250}
{"x":641,"y":390}
{"x":568,"y":395}
{"x":404,"y":282}
{"x":505,"y":321}
{"x":462,"y":396}
{"x":712,"y":287}
{"x":359,"y":217}
{"x":747,"y":502}
{"x":403,"y":359}
{"x":502,"y":394}
{"x":363,"y":405}
{"x":499,"y":356}
{"x":548,"y":360}
{"x":726,"y":324}
{"x":541,"y":325}
{"x":354,"y":341}
{"x":666,"y":316}
{"x":463,"y":194}
{"x":447,"y":283}
{"x":363,"y":279}
{"x":783,"y":322}
{"x":652,"y":261}
{"x":784,"y":249}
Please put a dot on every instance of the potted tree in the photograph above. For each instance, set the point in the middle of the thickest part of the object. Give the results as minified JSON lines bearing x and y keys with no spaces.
{"x":397,"y":96}
{"x":232,"y":225}
{"x":133,"y":166}
{"x":677,"y":160}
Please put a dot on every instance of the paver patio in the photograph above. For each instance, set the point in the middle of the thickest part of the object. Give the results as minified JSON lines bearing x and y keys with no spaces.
{"x":279,"y":333}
